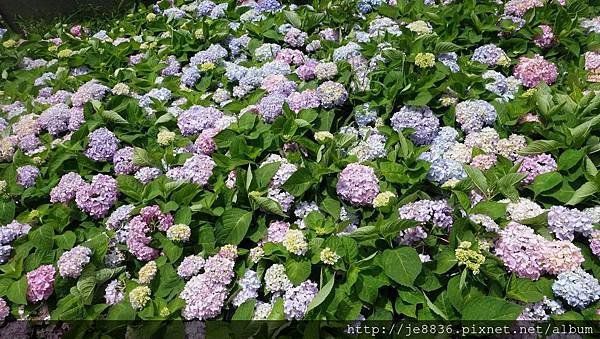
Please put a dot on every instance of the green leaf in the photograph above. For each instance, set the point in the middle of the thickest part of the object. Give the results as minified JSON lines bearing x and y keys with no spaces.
{"x":42,"y":237}
{"x":540,"y":146}
{"x":17,"y":292}
{"x":402,"y":265}
{"x":478,"y":179}
{"x":321,"y":295}
{"x":489,"y":308}
{"x":298,"y":270}
{"x":293,"y":18}
{"x":113,"y":116}
{"x":86,"y":285}
{"x":245,"y":311}
{"x":265,"y":173}
{"x":141,"y":157}
{"x":233,"y":226}
{"x":267,"y":204}
{"x":130,"y":186}
{"x":299,"y":182}
{"x":586,"y":190}
{"x":277,"y":310}
{"x":434,"y":308}
{"x":545,"y":182}
{"x":65,"y":241}
{"x":121,"y":311}
{"x":7,"y":211}
{"x":569,"y":158}
{"x":528,"y":291}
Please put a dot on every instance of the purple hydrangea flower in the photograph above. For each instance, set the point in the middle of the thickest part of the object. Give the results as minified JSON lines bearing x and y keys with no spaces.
{"x":296,"y":299}
{"x":71,"y":263}
{"x":67,"y":188}
{"x":565,"y":222}
{"x":98,"y":197}
{"x":421,"y":119}
{"x":250,"y":283}
{"x":91,"y":90}
{"x":472,"y":115}
{"x":205,"y":294}
{"x":102,"y":146}
{"x":197,"y":169}
{"x":40,"y":283}
{"x":190,"y":266}
{"x":113,"y":294}
{"x":536,"y":165}
{"x":331,"y":94}
{"x":196,"y":118}
{"x":437,"y":212}
{"x":26,"y":175}
{"x":358,"y":185}
{"x":123,"y":161}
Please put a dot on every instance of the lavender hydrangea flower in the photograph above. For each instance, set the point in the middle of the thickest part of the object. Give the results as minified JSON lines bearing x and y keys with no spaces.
{"x":119,"y":217}
{"x":521,"y":250}
{"x":358,"y":184}
{"x":26,"y":175}
{"x":332,"y":94}
{"x":307,"y":99}
{"x":472,"y":115}
{"x":271,"y":106}
{"x":71,"y":263}
{"x":190,"y":266}
{"x":4,"y":309}
{"x":421,"y":119}
{"x":197,"y":118}
{"x":490,"y":55}
{"x":565,"y":222}
{"x":87,"y":92}
{"x":55,"y":119}
{"x":40,"y":283}
{"x":249,"y":284}
{"x":102,"y":146}
{"x":12,"y":231}
{"x":505,"y":87}
{"x":297,"y":298}
{"x":97,"y":197}
{"x":205,"y":294}
{"x":197,"y":169}
{"x":438,"y":212}
{"x":113,"y":294}
{"x":146,"y":174}
{"x":123,"y":161}
{"x":536,"y":165}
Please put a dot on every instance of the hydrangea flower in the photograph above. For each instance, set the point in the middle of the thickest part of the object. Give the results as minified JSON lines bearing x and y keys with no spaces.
{"x":358,"y":184}
{"x":532,"y":71}
{"x":578,"y":288}
{"x":71,"y":263}
{"x":421,"y":119}
{"x":40,"y":283}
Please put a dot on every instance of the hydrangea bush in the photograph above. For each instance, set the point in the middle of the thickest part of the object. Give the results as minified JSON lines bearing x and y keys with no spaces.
{"x":343,"y":160}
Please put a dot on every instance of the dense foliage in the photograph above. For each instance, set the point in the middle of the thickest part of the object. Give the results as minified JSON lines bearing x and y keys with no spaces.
{"x":339,"y":160}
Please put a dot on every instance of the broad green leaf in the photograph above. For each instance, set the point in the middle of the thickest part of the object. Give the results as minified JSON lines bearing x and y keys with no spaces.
{"x":298,"y":270}
{"x":402,"y":265}
{"x":233,"y":226}
{"x":245,"y":311}
{"x":321,"y":295}
{"x":586,"y":190}
{"x":489,"y":308}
